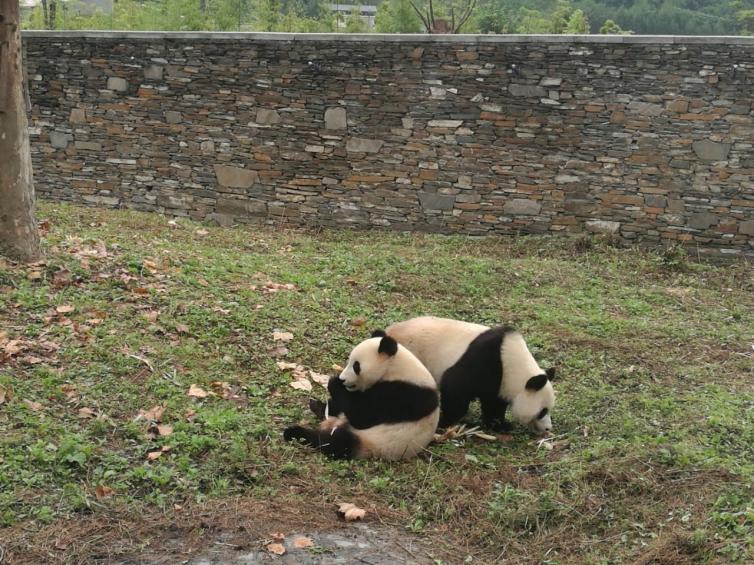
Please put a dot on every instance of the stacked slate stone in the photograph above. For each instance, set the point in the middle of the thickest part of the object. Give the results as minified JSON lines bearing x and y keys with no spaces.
{"x":648,"y":139}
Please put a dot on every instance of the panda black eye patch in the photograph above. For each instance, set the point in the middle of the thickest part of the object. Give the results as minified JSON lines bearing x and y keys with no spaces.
{"x":356,"y":367}
{"x":542,"y":413}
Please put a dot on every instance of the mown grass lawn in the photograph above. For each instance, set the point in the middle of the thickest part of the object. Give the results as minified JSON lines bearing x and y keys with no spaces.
{"x":652,"y":459}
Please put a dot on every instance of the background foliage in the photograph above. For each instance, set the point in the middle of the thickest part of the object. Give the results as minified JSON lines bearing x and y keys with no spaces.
{"x":680,"y":17}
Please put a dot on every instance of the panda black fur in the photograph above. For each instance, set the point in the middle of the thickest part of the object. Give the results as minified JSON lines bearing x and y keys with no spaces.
{"x":473,"y":361}
{"x":384,"y":404}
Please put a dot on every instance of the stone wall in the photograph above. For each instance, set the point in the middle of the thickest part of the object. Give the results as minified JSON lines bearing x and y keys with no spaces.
{"x":649,"y":138}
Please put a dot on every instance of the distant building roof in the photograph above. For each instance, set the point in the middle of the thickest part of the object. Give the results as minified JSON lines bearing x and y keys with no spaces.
{"x":362,"y":8}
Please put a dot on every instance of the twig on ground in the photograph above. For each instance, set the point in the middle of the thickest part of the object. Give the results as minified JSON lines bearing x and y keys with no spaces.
{"x":143,"y":360}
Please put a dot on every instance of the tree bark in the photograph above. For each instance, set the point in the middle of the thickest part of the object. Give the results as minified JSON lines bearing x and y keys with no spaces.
{"x":19,"y":237}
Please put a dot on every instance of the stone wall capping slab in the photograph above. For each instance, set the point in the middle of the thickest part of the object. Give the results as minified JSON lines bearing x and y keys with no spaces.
{"x":389,"y":38}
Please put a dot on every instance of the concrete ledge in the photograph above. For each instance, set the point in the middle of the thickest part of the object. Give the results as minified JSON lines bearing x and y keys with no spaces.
{"x":391,"y":38}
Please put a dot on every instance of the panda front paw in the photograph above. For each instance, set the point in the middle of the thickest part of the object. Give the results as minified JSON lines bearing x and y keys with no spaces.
{"x":318,"y":408}
{"x":499,"y":426}
{"x":294,"y":433}
{"x":335,"y":384}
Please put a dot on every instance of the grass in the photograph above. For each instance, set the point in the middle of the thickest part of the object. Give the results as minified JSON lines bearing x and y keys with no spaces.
{"x":652,"y":460}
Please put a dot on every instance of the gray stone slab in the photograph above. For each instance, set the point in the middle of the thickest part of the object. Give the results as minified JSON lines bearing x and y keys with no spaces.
{"x":154,"y":72}
{"x":527,"y":90}
{"x":433,"y":201}
{"x":362,"y":145}
{"x":602,"y":226}
{"x":235,"y":177}
{"x":117,"y":84}
{"x":746,"y":228}
{"x":522,"y":207}
{"x":711,"y":151}
{"x":59,"y":140}
{"x":173,"y":117}
{"x":78,"y":116}
{"x":336,"y":118}
{"x":267,"y":116}
{"x":703,"y":220}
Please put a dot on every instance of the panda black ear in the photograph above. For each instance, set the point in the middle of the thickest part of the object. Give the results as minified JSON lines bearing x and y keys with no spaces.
{"x":537,"y":382}
{"x":388,"y":345}
{"x":378,"y":333}
{"x":550,"y":373}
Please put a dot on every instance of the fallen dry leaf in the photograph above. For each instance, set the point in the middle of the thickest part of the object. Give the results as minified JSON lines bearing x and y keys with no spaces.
{"x":156,"y":454}
{"x":302,"y":385}
{"x":151,"y":315}
{"x":197,"y":392}
{"x":5,"y":394}
{"x":13,"y":347}
{"x":319,"y":378}
{"x":282,"y":336}
{"x":35,"y":406}
{"x":86,"y":413}
{"x":201,"y":232}
{"x":61,"y":277}
{"x":31,"y":360}
{"x":276,"y":548}
{"x":190,"y":415}
{"x":164,"y":429}
{"x":350,"y":512}
{"x":182,"y":328}
{"x":358,"y":322}
{"x":153,"y":414}
{"x":279,"y":351}
{"x":302,"y":542}
{"x":284,"y":365}
{"x":223,"y":389}
{"x":275,"y":287}
{"x":277,"y":536}
{"x":65,"y":309}
{"x":34,"y":276}
{"x":102,"y":492}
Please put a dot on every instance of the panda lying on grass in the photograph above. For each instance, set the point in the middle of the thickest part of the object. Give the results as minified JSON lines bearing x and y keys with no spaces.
{"x":384,"y":404}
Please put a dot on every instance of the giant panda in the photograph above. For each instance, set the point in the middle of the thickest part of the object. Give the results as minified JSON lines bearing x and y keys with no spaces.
{"x":471,"y":361}
{"x":383,"y":404}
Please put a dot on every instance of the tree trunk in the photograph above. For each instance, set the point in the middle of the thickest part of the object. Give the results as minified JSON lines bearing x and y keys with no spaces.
{"x":19,"y":238}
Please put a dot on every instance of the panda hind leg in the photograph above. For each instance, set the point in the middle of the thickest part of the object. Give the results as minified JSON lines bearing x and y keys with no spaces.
{"x":338,"y":443}
{"x":455,"y":396}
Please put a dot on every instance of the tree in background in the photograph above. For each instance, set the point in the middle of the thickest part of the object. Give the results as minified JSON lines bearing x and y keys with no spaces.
{"x":447,"y":17}
{"x":611,"y":28}
{"x":531,"y":22}
{"x":292,"y":16}
{"x":355,"y":23}
{"x":397,"y":16}
{"x":19,"y":237}
{"x":563,"y":19}
{"x":577,"y":23}
{"x":744,"y":15}
{"x":490,"y":17}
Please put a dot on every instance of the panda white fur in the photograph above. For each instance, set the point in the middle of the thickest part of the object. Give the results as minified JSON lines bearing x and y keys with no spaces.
{"x":384,"y":404}
{"x":471,"y":361}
